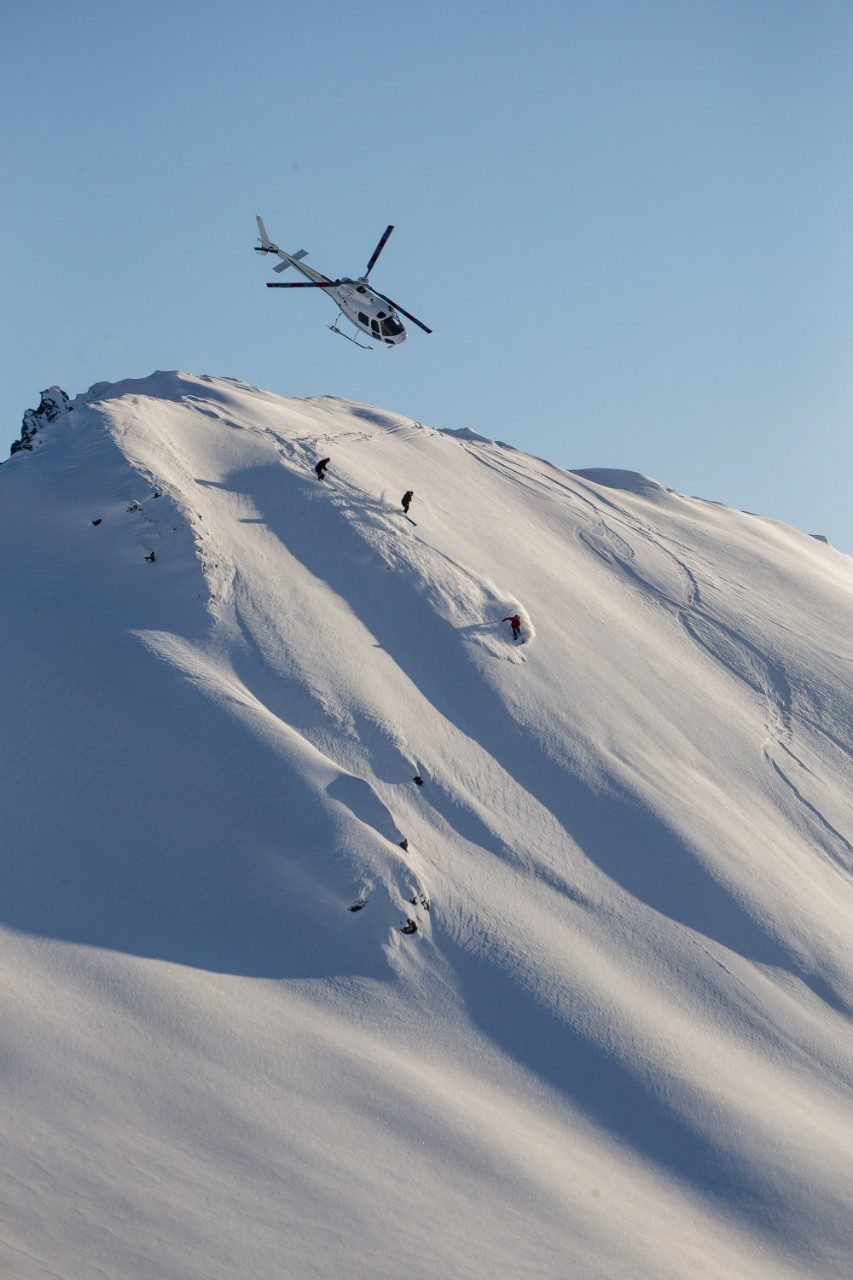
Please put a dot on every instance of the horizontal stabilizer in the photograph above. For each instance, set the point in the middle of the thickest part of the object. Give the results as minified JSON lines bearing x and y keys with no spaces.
{"x":291,"y":258}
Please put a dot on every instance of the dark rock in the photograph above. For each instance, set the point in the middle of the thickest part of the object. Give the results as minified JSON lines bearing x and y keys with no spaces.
{"x":54,"y":402}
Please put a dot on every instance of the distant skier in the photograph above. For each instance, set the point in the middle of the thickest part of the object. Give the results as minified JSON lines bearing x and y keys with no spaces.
{"x":321,"y":468}
{"x":515,"y":622}
{"x":407,"y":500}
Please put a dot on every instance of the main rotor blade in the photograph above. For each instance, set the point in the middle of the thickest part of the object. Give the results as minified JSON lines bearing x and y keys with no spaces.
{"x":376,"y":252}
{"x":302,"y":284}
{"x":402,"y":310}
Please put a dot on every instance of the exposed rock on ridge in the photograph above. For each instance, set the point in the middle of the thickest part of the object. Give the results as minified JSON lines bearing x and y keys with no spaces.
{"x":54,"y":402}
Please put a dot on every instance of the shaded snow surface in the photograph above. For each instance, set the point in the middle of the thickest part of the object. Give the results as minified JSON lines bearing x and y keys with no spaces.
{"x":617,"y":1044}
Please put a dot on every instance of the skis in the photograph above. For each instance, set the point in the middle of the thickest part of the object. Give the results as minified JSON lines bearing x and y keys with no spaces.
{"x":410,"y":520}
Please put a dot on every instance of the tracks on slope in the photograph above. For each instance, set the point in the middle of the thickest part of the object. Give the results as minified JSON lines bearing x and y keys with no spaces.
{"x":761,"y":672}
{"x":724,"y":643}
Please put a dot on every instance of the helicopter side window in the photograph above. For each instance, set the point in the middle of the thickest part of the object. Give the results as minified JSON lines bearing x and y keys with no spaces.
{"x":363,"y":318}
{"x":374,"y":324}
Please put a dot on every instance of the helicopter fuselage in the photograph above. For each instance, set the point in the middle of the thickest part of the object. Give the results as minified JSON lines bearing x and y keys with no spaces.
{"x":370,"y":313}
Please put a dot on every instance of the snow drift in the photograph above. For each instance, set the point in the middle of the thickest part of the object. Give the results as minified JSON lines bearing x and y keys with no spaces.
{"x":617,"y":1041}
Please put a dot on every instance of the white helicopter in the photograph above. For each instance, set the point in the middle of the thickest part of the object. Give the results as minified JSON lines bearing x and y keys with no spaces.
{"x":368,"y":310}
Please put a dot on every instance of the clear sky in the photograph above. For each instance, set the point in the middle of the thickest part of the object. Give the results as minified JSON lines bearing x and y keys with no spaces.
{"x":627,"y":221}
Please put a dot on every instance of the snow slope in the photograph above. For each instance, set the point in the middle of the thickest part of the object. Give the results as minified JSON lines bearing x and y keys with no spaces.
{"x":618,"y":1044}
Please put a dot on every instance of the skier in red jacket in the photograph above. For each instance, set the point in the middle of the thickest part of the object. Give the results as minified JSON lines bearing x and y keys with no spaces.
{"x":515,"y":622}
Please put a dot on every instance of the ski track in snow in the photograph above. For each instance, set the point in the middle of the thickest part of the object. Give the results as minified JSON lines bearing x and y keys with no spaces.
{"x":617,"y":1036}
{"x":722,"y":642}
{"x":760,"y":672}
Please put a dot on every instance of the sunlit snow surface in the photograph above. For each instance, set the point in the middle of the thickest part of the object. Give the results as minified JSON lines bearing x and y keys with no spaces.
{"x":618,"y":1043}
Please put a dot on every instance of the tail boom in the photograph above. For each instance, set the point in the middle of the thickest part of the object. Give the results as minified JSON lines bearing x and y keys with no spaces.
{"x":287,"y":259}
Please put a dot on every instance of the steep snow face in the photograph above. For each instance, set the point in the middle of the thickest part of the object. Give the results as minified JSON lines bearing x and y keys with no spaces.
{"x":615,"y":1044}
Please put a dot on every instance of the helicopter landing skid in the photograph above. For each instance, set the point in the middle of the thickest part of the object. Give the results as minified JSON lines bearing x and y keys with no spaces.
{"x":334,"y":329}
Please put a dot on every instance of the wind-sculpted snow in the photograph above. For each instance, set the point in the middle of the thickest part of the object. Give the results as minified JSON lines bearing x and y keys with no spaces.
{"x":258,"y":724}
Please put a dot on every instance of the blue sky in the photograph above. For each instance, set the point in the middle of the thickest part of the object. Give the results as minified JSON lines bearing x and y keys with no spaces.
{"x":628,"y":223}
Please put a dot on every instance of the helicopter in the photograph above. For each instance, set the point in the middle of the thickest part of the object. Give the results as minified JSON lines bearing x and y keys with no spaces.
{"x":368,"y":310}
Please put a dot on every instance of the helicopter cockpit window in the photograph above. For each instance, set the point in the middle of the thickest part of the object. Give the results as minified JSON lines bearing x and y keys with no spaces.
{"x":392,"y":325}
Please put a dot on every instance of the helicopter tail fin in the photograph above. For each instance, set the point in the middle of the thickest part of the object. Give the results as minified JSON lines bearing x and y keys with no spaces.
{"x":287,"y":259}
{"x":262,"y":232}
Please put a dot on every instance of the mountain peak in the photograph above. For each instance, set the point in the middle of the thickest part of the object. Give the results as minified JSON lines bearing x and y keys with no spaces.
{"x":319,"y":876}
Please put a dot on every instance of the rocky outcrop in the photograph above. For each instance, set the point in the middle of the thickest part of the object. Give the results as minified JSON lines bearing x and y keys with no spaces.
{"x":54,"y":402}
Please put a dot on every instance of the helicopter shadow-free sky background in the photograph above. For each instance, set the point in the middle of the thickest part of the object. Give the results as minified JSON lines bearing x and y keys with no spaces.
{"x":629,"y":225}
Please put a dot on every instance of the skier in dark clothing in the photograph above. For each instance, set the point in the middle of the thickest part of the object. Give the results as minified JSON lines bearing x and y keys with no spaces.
{"x":407,"y":500}
{"x":321,"y":468}
{"x":515,"y":622}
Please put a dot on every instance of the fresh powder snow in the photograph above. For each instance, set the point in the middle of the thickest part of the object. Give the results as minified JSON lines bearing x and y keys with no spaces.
{"x":614,"y":1039}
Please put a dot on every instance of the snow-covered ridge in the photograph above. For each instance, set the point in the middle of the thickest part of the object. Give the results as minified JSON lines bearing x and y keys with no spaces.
{"x":616,"y":1041}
